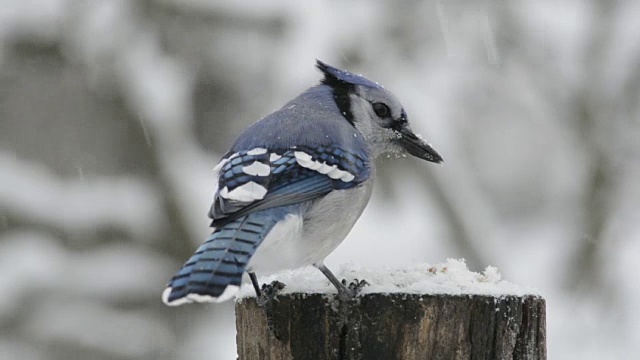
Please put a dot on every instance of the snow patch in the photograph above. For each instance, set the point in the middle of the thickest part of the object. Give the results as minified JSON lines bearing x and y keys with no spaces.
{"x":451,"y":277}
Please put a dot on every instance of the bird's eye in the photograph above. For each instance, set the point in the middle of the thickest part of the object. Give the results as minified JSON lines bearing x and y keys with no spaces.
{"x":381,"y":110}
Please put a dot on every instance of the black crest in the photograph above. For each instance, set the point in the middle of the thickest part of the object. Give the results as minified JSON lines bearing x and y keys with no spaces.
{"x":335,"y":77}
{"x":343,"y":84}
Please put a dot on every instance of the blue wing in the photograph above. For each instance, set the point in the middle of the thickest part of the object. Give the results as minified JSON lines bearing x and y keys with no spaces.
{"x":254,"y":188}
{"x":257,"y":179}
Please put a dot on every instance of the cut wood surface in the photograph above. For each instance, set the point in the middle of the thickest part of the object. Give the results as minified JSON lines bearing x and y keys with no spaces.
{"x":394,"y":326}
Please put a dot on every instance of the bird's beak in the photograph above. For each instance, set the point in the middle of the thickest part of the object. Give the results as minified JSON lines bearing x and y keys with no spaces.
{"x":416,"y":146}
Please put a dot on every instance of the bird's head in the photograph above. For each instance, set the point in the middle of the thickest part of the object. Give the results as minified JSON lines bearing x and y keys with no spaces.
{"x":376,"y":114}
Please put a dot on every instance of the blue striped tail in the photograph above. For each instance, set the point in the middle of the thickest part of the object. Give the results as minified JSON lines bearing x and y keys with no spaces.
{"x":214,"y":272}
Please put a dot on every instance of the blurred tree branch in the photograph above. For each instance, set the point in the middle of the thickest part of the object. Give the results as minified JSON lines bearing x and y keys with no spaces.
{"x":596,"y":122}
{"x":463,"y":235}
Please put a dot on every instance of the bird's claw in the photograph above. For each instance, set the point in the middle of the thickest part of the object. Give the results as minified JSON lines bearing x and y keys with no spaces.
{"x":352,"y":290}
{"x":268,"y":293}
{"x":357,"y":285}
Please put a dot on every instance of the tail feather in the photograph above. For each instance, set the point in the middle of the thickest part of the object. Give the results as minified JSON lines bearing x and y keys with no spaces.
{"x":214,"y":272}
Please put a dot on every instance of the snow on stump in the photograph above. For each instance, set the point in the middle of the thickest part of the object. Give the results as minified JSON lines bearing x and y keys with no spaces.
{"x":422,"y":312}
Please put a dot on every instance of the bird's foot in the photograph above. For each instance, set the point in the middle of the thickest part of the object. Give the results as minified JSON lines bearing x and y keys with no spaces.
{"x":265,"y":300}
{"x":348,"y":292}
{"x":357,"y":285}
{"x":268,"y":292}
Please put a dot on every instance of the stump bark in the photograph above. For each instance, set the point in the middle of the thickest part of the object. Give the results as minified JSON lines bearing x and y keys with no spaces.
{"x":394,"y":326}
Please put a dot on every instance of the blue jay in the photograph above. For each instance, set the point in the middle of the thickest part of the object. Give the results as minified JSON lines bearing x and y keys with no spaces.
{"x":293,"y":185}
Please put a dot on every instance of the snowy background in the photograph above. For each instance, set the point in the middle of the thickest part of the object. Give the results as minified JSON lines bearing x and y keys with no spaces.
{"x":114,"y":112}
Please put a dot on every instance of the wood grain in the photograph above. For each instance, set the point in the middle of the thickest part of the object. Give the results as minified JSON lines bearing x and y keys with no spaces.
{"x":394,"y":326}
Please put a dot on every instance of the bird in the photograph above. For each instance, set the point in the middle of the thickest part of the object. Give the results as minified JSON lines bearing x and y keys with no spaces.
{"x":293,"y":185}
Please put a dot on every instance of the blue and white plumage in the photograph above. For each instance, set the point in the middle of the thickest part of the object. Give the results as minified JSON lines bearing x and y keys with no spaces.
{"x":293,"y":185}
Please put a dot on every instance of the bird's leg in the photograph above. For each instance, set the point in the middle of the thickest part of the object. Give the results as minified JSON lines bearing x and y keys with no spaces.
{"x":254,"y":282}
{"x":265,"y":297}
{"x":344,"y":292}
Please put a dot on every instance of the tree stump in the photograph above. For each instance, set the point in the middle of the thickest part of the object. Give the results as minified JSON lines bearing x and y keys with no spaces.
{"x":394,"y":326}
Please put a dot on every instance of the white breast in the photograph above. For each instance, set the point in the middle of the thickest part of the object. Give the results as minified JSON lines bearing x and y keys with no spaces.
{"x":309,"y":237}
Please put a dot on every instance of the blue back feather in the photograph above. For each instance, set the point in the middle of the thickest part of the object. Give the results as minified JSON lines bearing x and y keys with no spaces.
{"x":312,"y":119}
